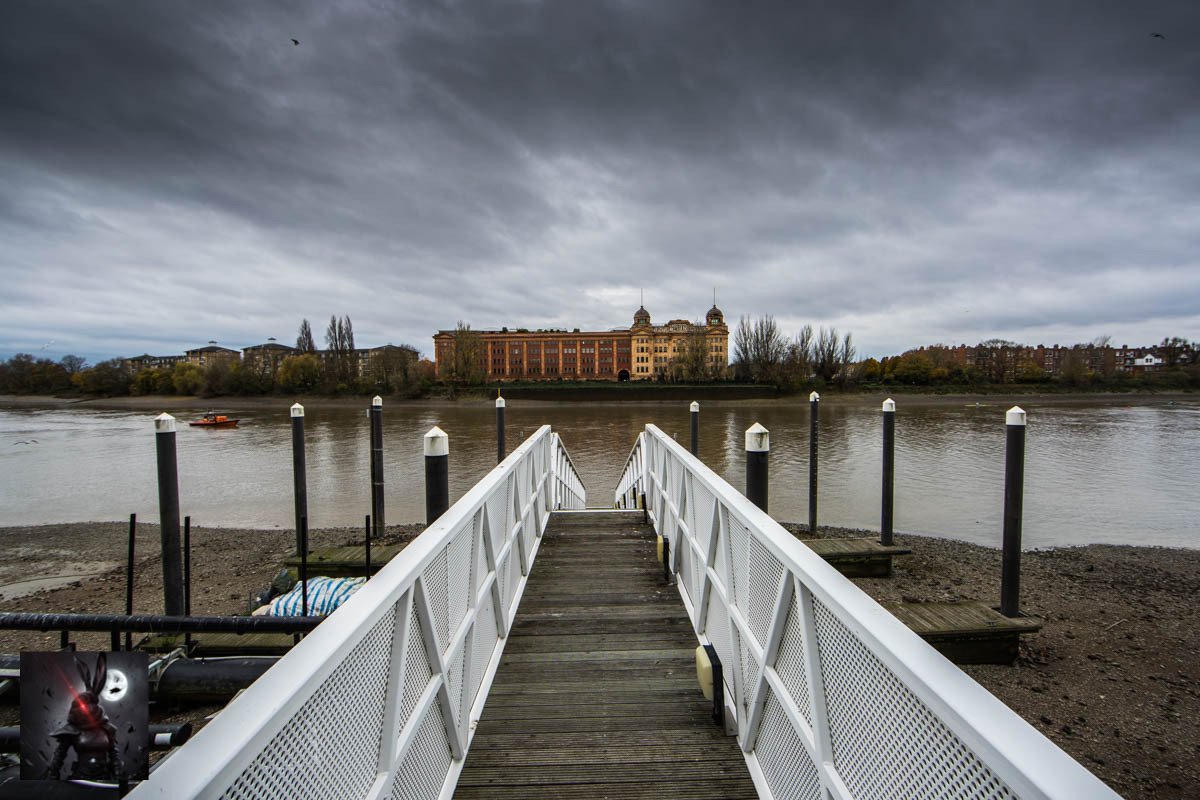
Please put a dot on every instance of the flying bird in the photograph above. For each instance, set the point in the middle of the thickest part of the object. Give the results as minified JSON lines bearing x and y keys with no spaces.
{"x":296,"y":42}
{"x":1152,"y":36}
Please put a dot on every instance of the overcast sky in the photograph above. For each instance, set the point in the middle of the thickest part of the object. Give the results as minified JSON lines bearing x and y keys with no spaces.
{"x":172,"y":172}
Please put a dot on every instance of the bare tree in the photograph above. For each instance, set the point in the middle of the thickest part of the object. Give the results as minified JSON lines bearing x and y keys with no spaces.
{"x":759,"y":349}
{"x":468,"y":367}
{"x":825,"y":354}
{"x":304,"y":342}
{"x":846,"y":359}
{"x":339,"y":343}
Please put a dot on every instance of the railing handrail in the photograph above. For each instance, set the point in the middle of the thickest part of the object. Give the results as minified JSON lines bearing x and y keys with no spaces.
{"x":1023,"y":758}
{"x":220,"y":754}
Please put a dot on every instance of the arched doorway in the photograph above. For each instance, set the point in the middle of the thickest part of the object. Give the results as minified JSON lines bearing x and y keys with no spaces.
{"x":623,"y":375}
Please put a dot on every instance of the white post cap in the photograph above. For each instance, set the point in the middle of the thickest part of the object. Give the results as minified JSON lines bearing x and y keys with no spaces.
{"x":297,"y":410}
{"x":758,"y":439}
{"x":437,"y":443}
{"x":695,"y":407}
{"x":164,"y":423}
{"x":500,"y":402}
{"x":889,"y":405}
{"x":1015,"y":416}
{"x":377,"y":401}
{"x":814,"y":397}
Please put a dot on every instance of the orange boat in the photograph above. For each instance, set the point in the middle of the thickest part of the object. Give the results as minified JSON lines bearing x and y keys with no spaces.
{"x":214,"y":420}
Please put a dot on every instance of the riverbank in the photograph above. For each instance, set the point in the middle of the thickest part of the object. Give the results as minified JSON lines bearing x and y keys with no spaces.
{"x":1112,"y":678}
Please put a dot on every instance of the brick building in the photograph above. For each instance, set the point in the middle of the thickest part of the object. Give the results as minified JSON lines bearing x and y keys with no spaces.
{"x":641,"y":352}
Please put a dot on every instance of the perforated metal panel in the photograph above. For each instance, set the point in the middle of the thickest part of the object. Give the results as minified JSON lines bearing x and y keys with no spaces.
{"x":873,"y":719}
{"x":423,"y":770}
{"x":785,"y":762}
{"x":348,"y":712}
{"x":789,"y":663}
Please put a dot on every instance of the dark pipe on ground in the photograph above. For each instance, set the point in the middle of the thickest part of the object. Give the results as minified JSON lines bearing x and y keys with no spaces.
{"x":154,"y":623}
{"x":162,"y":737}
{"x":201,"y":681}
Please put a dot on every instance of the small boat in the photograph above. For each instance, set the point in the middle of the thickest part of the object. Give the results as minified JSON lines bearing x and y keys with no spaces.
{"x":214,"y":420}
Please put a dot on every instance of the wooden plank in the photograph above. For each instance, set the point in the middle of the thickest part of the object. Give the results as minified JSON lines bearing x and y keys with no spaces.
{"x":596,"y":693}
{"x":966,"y":632}
{"x":857,"y":557}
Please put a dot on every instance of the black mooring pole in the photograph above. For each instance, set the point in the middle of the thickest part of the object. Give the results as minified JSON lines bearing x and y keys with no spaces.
{"x":758,"y":448}
{"x":187,"y":578}
{"x":889,"y":471}
{"x":129,"y":578}
{"x":304,"y":566}
{"x":376,"y":413}
{"x":501,"y":447}
{"x":367,"y":525}
{"x":814,"y":402}
{"x":299,"y":481}
{"x":168,"y":513}
{"x":437,"y":474}
{"x":695,"y":408}
{"x":1014,"y":487}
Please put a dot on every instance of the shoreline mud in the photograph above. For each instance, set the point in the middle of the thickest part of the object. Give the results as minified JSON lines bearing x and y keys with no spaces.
{"x":1112,"y":678}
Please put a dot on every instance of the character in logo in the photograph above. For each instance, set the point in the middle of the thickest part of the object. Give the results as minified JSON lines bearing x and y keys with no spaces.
{"x":88,"y":731}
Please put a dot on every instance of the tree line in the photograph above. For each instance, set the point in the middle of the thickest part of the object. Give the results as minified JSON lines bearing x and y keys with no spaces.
{"x":395,"y":372}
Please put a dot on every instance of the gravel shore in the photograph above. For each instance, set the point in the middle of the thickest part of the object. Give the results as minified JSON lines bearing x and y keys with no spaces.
{"x":1113,"y":678}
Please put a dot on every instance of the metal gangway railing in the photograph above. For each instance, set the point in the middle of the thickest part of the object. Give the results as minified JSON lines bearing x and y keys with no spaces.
{"x":833,"y":697}
{"x":381,"y":700}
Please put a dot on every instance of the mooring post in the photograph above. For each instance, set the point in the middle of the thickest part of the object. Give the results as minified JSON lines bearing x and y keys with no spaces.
{"x":758,"y":447}
{"x":500,"y":445}
{"x":695,"y":429}
{"x":1014,"y":487}
{"x":889,"y":471}
{"x":299,"y":482}
{"x":814,"y":403}
{"x":367,"y":525}
{"x":168,"y":514}
{"x":376,"y":413}
{"x":187,"y":578}
{"x":129,"y":578}
{"x":437,"y":474}
{"x":304,"y":566}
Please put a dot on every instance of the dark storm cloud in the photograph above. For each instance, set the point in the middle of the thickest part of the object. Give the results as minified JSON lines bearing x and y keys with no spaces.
{"x":913,"y":172}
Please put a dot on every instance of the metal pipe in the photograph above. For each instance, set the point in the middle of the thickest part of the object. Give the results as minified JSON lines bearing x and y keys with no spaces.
{"x":202,"y":681}
{"x":889,"y":472}
{"x":162,"y":737}
{"x":437,"y":474}
{"x":154,"y":623}
{"x":758,"y":448}
{"x":299,"y":481}
{"x":1014,"y":487}
{"x":168,"y":512}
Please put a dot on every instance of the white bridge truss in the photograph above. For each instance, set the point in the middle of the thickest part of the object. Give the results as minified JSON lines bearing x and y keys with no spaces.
{"x":381,"y":700}
{"x":833,"y":697}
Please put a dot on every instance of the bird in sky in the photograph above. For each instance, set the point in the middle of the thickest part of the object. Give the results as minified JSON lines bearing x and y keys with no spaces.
{"x":296,"y":42}
{"x":1152,"y":36}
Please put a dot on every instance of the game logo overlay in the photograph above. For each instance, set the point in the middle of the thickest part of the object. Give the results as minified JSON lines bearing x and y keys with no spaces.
{"x":84,"y":717}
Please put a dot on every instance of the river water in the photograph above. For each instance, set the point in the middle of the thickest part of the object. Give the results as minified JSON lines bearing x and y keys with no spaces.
{"x":1120,"y":472}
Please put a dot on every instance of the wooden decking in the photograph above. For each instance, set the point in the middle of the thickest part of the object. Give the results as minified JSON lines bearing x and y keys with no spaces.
{"x":857,"y":557}
{"x":966,"y":632}
{"x":596,"y":695}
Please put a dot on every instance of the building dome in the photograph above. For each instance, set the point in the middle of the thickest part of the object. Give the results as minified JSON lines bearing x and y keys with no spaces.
{"x":715,"y":317}
{"x":641,"y":316}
